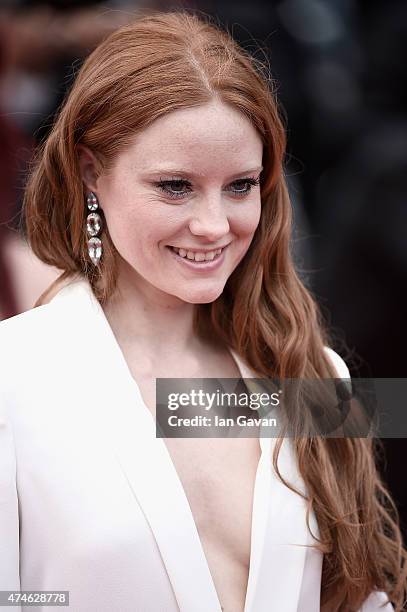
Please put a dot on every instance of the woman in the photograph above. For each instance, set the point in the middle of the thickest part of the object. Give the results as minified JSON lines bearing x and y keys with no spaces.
{"x":169,"y":149}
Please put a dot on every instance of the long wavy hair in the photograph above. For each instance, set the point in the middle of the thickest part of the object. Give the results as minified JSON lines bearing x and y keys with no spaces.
{"x":160,"y":62}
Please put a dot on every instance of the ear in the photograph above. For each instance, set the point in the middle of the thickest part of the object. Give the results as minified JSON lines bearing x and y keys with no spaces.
{"x":88,"y":165}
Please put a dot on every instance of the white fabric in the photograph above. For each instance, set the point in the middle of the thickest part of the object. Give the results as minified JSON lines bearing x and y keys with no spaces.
{"x":90,"y":501}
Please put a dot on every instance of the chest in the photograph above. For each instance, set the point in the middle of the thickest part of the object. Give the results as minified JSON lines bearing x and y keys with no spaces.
{"x":218,"y":477}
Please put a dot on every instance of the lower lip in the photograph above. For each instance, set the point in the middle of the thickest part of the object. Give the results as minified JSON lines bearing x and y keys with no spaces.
{"x":200,"y":266}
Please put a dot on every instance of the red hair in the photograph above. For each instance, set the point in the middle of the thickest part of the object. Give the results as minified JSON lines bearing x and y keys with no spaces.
{"x":161,"y":62}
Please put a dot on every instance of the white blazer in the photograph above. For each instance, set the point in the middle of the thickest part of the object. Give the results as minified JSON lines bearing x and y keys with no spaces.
{"x":90,"y":501}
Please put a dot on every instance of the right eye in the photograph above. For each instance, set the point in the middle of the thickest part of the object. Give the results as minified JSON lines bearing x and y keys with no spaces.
{"x":174,"y":185}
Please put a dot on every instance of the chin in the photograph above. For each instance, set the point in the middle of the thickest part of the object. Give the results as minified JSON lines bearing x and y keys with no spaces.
{"x":202,"y":297}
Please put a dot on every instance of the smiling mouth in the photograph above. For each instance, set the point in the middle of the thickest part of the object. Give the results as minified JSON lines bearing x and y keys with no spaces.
{"x":197,"y":256}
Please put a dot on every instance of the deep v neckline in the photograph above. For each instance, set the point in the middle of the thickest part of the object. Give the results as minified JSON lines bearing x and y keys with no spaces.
{"x":260,"y":500}
{"x":259,"y":505}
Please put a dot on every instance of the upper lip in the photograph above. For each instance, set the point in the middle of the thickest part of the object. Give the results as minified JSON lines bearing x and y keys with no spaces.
{"x":199,"y":249}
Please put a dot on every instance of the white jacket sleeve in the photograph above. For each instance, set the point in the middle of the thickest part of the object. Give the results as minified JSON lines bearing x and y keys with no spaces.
{"x":377,"y":598}
{"x":375,"y":602}
{"x":9,"y":520}
{"x":338,"y":362}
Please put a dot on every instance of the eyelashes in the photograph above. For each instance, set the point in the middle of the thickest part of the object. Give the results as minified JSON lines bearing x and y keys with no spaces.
{"x":166,"y":186}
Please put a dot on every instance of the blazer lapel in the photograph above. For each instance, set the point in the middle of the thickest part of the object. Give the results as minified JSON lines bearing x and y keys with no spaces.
{"x":282,"y":565}
{"x":155,"y":483}
{"x":280,"y":534}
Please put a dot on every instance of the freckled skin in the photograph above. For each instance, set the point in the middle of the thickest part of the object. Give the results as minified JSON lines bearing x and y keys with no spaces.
{"x":216,"y":142}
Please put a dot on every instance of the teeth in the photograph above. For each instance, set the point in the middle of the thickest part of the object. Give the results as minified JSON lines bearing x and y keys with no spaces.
{"x":197,"y":256}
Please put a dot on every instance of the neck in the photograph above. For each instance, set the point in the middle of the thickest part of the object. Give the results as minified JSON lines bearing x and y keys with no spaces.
{"x":157,"y":323}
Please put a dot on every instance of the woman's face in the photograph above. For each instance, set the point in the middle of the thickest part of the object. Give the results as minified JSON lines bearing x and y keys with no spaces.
{"x":185,"y":182}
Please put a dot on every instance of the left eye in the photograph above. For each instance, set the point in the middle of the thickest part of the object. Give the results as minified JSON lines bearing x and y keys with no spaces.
{"x":176,"y":185}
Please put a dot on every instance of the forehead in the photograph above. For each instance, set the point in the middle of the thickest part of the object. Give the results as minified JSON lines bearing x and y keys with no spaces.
{"x":212,"y":135}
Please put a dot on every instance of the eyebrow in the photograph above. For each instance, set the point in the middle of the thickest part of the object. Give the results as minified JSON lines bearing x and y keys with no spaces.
{"x":198,"y":174}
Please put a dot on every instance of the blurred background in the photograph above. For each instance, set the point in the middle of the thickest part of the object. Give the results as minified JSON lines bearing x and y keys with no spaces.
{"x":340,"y":72}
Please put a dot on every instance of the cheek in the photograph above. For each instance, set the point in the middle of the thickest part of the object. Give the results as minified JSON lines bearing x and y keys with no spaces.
{"x":246,"y":223}
{"x":123,"y":231}
{"x":133,"y":229}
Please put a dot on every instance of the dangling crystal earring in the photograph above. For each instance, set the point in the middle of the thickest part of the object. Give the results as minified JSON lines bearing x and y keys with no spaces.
{"x":93,"y":227}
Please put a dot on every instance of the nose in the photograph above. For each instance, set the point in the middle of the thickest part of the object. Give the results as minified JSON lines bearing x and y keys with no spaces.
{"x":210,"y":220}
